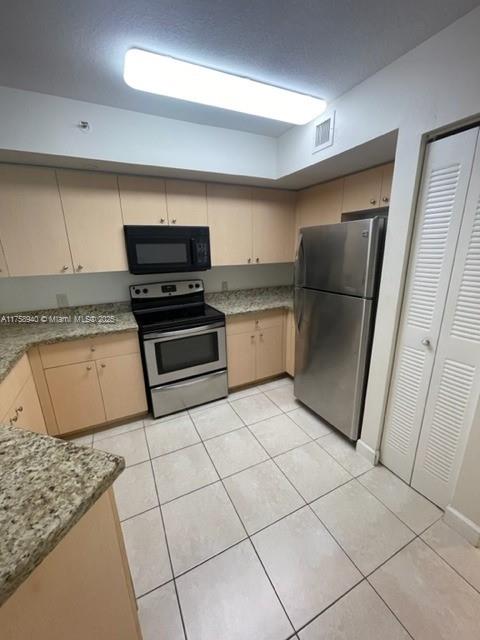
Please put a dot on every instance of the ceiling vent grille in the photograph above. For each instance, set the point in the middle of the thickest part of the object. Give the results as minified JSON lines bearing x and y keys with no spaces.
{"x":324,"y":133}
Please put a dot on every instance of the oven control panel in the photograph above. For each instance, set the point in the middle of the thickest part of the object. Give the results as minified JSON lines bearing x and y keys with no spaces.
{"x":165,"y":289}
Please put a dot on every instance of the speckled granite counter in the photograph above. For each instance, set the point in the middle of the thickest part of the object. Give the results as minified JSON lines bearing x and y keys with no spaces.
{"x":17,"y":338}
{"x":249,"y":300}
{"x":46,"y":486}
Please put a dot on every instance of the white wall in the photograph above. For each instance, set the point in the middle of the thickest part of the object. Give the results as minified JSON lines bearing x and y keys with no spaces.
{"x":22,"y":294}
{"x":37,"y":123}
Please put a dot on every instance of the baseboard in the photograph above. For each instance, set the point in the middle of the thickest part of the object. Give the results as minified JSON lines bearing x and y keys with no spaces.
{"x":465,"y":527}
{"x":367,"y":452}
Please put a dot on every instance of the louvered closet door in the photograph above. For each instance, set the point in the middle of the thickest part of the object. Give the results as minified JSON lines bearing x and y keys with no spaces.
{"x":446,"y":175}
{"x":455,"y":384}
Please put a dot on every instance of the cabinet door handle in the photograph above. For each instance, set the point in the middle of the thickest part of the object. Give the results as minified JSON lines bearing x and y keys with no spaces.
{"x":19,"y":409}
{"x":65,"y":267}
{"x":257,"y":259}
{"x":103,"y":365}
{"x":92,"y":349}
{"x":174,"y":220}
{"x":249,"y":260}
{"x":373,"y":201}
{"x":385,"y":199}
{"x":426,"y":342}
{"x":162,"y":220}
{"x":252,"y":338}
{"x":14,"y":419}
{"x":261,"y":336}
{"x":79,"y":267}
{"x":89,"y":368}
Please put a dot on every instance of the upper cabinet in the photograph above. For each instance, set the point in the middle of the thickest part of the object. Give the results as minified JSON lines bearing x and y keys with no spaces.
{"x":230,"y":221}
{"x":187,"y":203}
{"x":362,"y":190}
{"x":3,"y":264}
{"x":32,"y":227}
{"x":93,"y":216}
{"x":387,"y":176}
{"x":273,"y":225}
{"x":143,"y":200}
{"x":321,"y":204}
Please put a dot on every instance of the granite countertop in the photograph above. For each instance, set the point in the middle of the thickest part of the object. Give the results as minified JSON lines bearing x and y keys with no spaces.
{"x":17,"y":337}
{"x":46,"y":486}
{"x":250,"y":300}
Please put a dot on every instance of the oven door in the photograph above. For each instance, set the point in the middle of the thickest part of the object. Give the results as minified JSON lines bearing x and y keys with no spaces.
{"x":183,"y":353}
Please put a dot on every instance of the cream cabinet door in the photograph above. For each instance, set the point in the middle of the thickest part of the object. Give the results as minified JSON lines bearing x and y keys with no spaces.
{"x":230,"y":221}
{"x":387,"y":176}
{"x":26,"y":411}
{"x":362,"y":190}
{"x":442,"y":196}
{"x":273,"y":225}
{"x":270,"y":352}
{"x":76,"y":396}
{"x":290,"y":343}
{"x":241,"y":350}
{"x":3,"y":264}
{"x":143,"y":200}
{"x":94,"y":222}
{"x":32,"y":227}
{"x":121,"y":382}
{"x":321,"y":204}
{"x":187,"y":203}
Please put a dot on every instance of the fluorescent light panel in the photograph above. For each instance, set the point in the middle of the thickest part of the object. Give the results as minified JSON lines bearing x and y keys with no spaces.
{"x":174,"y":78}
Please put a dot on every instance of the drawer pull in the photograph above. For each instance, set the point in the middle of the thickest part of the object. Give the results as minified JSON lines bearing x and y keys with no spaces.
{"x":14,"y":419}
{"x":89,"y":368}
{"x":19,"y":409}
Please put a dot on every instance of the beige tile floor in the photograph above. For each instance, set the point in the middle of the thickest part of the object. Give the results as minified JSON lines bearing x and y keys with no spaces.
{"x":251,"y":519}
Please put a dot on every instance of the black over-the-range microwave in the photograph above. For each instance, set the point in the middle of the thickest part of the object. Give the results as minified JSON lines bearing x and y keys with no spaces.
{"x":157,"y":249}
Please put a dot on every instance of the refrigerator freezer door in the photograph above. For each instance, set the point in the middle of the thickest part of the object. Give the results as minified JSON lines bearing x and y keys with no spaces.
{"x":331,"y":352}
{"x":341,"y":258}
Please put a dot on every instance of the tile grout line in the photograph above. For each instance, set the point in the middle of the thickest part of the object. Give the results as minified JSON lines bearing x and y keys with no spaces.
{"x":248,"y":535}
{"x":166,"y":544}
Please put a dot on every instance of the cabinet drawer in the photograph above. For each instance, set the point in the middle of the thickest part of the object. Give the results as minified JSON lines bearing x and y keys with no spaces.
{"x":71,"y":351}
{"x":13,"y":384}
{"x":118,"y":344}
{"x":266,"y":319}
{"x":243,"y":323}
{"x":60,"y":353}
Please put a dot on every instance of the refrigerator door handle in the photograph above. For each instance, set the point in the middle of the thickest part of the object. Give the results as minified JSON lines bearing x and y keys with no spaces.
{"x":300,"y":264}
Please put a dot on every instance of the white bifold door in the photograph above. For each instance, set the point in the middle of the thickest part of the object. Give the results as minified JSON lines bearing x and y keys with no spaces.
{"x":436,"y":377}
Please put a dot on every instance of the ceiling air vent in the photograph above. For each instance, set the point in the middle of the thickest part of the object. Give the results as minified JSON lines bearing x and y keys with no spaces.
{"x":324,"y":133}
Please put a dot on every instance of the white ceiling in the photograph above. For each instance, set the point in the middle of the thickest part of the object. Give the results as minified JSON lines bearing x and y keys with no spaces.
{"x":75,"y":48}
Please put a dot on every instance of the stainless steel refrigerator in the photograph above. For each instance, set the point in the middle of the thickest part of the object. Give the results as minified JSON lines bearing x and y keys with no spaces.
{"x":337,"y":272}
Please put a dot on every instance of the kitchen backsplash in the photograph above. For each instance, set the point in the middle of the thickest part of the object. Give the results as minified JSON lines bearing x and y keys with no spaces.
{"x":40,"y":292}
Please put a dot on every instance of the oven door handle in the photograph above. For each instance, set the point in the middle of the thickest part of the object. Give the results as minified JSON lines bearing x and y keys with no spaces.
{"x":184,"y":332}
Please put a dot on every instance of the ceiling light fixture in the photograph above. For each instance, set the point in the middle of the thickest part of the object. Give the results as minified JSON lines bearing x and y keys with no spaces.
{"x":174,"y":78}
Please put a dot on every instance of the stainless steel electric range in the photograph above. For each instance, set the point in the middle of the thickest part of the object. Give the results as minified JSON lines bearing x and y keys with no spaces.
{"x":183,"y":345}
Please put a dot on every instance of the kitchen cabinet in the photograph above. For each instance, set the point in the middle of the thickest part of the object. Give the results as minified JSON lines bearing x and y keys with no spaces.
{"x":387,"y":176}
{"x":32,"y":226}
{"x":3,"y":263}
{"x":93,"y":217}
{"x":90,"y":381}
{"x":19,"y":401}
{"x":273,"y":214}
{"x":230,"y":219}
{"x":143,"y":200}
{"x":187,"y":203}
{"x":82,"y":589}
{"x":362,"y":190}
{"x":255,"y":346}
{"x":76,"y":396}
{"x":122,"y":394}
{"x":321,"y":204}
{"x":290,"y":343}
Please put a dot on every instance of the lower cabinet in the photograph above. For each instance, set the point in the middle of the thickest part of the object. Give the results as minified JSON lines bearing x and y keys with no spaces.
{"x":119,"y":378}
{"x":255,"y":346}
{"x":76,"y":396}
{"x":82,"y":590}
{"x":91,"y":381}
{"x":290,"y":343}
{"x":19,"y":401}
